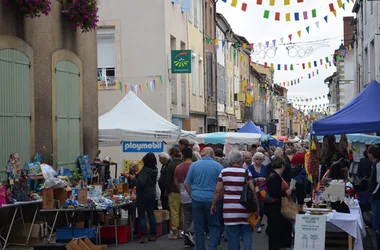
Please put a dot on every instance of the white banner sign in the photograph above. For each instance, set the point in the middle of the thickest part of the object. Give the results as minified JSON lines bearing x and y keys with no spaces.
{"x":310,"y":232}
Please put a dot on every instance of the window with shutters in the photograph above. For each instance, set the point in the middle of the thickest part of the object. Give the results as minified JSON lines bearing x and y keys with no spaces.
{"x":195,"y":7}
{"x":209,"y":74}
{"x":200,"y":15}
{"x":15,"y":110}
{"x":173,"y":85}
{"x":193,"y":75}
{"x":105,"y":37}
{"x":67,"y":115}
{"x":200,"y":67}
{"x":183,"y":93}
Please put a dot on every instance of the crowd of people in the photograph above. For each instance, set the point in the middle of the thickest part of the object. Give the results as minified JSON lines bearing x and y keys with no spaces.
{"x":202,"y":191}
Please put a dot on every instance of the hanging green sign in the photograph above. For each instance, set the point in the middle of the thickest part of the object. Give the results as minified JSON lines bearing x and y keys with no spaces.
{"x":181,"y":61}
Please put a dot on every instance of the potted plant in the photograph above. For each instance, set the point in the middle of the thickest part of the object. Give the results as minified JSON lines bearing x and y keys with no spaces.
{"x":82,"y":13}
{"x":31,"y":8}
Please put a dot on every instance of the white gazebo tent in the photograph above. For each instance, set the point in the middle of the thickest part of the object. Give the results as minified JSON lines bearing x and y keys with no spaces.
{"x":132,"y":120}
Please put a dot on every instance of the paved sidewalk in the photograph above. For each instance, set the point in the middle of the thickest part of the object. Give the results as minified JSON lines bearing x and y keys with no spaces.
{"x":162,"y":243}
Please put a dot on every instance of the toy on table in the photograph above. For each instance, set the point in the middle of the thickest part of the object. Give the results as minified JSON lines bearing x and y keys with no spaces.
{"x":13,"y":168}
{"x":85,"y":166}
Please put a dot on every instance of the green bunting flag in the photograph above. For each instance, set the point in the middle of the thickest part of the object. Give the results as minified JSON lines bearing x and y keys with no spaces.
{"x":314,"y":13}
{"x":266,"y":14}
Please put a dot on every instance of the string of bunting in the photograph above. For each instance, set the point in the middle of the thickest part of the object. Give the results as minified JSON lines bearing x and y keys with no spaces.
{"x":286,"y":2}
{"x":298,"y":66}
{"x":289,"y":83}
{"x":272,"y":42}
{"x":137,"y":88}
{"x":303,"y":15}
{"x":299,"y":99}
{"x":296,"y":16}
{"x":244,"y":6}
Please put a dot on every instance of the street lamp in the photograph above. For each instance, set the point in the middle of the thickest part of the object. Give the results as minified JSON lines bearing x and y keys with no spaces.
{"x":342,"y":50}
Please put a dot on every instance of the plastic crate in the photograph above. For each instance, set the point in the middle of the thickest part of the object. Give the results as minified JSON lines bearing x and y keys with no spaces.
{"x":68,"y":233}
{"x":123,"y":234}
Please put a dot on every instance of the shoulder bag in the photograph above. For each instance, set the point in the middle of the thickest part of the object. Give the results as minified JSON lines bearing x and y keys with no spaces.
{"x":246,"y":197}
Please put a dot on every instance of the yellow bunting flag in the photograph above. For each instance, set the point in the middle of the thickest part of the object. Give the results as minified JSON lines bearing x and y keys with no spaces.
{"x":340,"y":4}
{"x":286,"y":2}
{"x":271,"y":67}
{"x":287,"y":17}
{"x":271,"y":2}
{"x":334,"y":12}
{"x":116,"y":84}
{"x":234,"y":3}
{"x":309,"y":65}
{"x":244,"y":46}
{"x":299,"y":33}
{"x":248,"y":99}
{"x":241,"y":57}
{"x":216,"y":42}
{"x":99,"y":85}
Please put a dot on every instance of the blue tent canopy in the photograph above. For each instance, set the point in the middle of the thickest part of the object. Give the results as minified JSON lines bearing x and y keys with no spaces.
{"x":358,"y":116}
{"x":250,"y":127}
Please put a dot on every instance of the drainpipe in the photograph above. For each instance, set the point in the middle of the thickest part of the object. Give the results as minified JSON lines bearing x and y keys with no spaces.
{"x":216,"y":69}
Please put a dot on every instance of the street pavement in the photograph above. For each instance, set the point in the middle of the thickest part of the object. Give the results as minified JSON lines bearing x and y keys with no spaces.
{"x":260,"y":242}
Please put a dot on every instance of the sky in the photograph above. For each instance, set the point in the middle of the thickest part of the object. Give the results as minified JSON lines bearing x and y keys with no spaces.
{"x":252,"y":25}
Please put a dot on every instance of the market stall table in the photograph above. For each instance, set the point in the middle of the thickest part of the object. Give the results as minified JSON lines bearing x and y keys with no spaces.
{"x":18,"y":207}
{"x":352,"y":224}
{"x":85,"y":210}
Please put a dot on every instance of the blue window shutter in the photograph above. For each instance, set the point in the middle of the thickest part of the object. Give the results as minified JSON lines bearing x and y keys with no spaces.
{"x":175,"y":1}
{"x":186,"y":6}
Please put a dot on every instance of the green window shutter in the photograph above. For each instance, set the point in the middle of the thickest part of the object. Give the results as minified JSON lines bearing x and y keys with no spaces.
{"x":67,"y":115}
{"x":15,"y":115}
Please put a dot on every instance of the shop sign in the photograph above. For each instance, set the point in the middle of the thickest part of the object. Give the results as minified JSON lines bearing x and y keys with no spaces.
{"x":310,"y":232}
{"x":142,"y":147}
{"x":181,"y":61}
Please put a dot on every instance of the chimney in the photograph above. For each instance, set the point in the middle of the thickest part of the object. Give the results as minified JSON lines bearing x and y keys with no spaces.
{"x":348,"y":30}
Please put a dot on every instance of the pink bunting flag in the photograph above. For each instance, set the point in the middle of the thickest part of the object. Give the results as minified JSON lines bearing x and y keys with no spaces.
{"x":305,"y":15}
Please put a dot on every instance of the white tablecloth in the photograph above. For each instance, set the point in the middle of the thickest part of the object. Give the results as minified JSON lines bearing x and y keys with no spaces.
{"x":352,"y":224}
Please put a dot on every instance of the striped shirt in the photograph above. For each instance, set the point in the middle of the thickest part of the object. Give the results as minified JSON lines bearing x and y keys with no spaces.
{"x":233,"y":181}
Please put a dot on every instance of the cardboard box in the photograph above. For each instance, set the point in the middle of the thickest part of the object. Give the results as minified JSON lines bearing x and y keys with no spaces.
{"x":39,"y":231}
{"x":61,"y":195}
{"x":47,"y":198}
{"x":84,"y":244}
{"x":72,"y":245}
{"x":165,"y":214}
{"x":158,"y":216}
